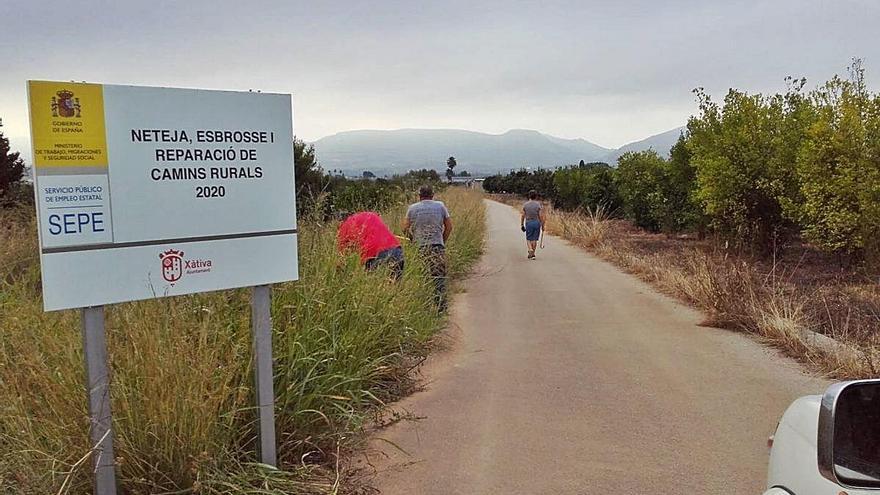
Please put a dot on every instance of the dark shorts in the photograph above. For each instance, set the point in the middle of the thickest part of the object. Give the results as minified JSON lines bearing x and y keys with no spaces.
{"x":533,"y":230}
{"x":393,"y":258}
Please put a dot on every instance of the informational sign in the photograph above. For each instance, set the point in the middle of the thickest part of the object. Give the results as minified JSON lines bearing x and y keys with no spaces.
{"x":147,"y":192}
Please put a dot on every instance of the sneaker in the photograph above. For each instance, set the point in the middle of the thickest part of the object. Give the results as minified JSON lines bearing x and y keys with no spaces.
{"x":531,"y":256}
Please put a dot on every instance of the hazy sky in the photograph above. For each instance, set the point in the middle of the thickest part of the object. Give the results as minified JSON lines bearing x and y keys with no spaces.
{"x":611,"y":72}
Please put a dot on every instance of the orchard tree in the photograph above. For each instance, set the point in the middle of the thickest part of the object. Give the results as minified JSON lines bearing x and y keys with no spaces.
{"x":640,"y":177}
{"x":601,"y":190}
{"x":743,"y":154}
{"x":311,"y":182}
{"x":586,"y":186}
{"x":492,"y":184}
{"x":679,"y":211}
{"x":839,"y":167}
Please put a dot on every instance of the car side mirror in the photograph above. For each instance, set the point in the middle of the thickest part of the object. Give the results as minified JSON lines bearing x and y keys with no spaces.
{"x":848,"y":442}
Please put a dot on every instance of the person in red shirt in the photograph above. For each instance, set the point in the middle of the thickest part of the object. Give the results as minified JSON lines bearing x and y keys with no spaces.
{"x":367,"y":234}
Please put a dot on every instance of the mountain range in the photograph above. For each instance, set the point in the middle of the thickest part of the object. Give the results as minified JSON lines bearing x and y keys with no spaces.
{"x":397,"y":151}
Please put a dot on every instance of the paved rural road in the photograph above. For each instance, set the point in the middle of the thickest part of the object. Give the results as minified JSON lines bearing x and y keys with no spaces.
{"x":569,"y":377}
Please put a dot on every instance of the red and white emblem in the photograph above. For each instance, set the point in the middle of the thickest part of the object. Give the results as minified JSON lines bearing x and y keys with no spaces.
{"x":172,"y":265}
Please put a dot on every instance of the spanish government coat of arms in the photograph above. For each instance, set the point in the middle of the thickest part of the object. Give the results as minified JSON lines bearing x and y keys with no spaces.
{"x":65,"y":105}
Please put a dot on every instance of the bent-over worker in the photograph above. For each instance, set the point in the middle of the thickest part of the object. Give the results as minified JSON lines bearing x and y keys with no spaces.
{"x":366,"y":233}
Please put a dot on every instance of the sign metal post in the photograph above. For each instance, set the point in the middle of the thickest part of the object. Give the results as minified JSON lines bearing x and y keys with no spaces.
{"x":98,"y":381}
{"x":261,"y":321}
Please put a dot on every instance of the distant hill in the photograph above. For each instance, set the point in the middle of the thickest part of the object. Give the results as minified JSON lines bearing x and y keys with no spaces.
{"x":388,"y":152}
{"x":661,"y":143}
{"x":396,"y":151}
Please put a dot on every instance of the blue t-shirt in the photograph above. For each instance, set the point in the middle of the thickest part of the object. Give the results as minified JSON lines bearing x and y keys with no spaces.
{"x":426,"y":220}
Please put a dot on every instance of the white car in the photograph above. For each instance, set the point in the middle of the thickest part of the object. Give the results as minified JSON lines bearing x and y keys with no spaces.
{"x":829,"y":444}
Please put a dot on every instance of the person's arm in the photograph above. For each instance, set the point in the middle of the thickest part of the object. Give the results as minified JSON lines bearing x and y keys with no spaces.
{"x":447,"y":225}
{"x":543,"y":217}
{"x":522,"y":220}
{"x":407,"y":225}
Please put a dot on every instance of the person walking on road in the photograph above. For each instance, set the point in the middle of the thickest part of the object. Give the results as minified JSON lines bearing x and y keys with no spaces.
{"x":366,"y":233}
{"x":532,"y":222}
{"x":429,"y":226}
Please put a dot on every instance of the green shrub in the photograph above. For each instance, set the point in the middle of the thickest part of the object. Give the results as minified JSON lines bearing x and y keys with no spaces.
{"x":521,"y":182}
{"x":839,"y":167}
{"x":743,"y":154}
{"x":640,"y":177}
{"x":365,"y":195}
{"x":586,"y":186}
{"x":679,"y":210}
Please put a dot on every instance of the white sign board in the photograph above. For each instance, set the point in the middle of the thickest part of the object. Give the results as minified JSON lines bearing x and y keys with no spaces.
{"x":148,"y":192}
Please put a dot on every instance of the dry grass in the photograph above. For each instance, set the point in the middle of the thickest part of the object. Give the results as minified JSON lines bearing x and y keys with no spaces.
{"x":589,"y":227}
{"x":345,"y":343}
{"x":804,"y":304}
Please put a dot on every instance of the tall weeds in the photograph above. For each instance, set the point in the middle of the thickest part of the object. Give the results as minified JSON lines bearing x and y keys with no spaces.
{"x":588,"y":226}
{"x":345,"y":342}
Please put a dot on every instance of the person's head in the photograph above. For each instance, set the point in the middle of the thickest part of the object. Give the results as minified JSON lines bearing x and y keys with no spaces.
{"x":533,"y":194}
{"x":426,"y":192}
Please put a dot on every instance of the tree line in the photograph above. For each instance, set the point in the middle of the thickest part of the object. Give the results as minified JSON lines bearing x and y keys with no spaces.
{"x":323,"y":195}
{"x":756,"y":170}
